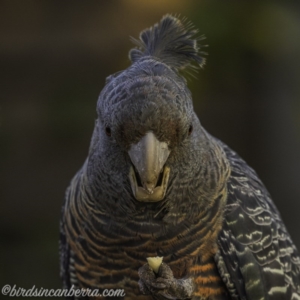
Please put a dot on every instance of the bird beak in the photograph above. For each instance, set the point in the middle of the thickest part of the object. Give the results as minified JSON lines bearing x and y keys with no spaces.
{"x":149,"y":177}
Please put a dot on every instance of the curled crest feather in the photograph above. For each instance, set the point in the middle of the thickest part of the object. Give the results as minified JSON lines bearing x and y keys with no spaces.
{"x":171,"y":41}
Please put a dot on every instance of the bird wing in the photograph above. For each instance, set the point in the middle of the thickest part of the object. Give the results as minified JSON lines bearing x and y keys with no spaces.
{"x":68,"y":225}
{"x":64,"y":252}
{"x":257,"y":258}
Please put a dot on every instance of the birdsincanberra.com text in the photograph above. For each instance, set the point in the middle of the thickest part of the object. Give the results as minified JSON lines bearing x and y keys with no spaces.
{"x":14,"y":291}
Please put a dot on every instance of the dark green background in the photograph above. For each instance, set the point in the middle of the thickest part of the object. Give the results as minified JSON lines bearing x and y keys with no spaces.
{"x":54,"y":57}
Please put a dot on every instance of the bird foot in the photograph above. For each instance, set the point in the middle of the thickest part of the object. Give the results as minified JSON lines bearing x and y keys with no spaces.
{"x":163,"y":285}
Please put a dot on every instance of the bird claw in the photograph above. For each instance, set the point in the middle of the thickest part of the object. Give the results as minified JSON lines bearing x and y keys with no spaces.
{"x":163,"y":285}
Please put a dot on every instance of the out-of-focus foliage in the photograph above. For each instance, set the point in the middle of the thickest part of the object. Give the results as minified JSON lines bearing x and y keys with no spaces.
{"x":55,"y":56}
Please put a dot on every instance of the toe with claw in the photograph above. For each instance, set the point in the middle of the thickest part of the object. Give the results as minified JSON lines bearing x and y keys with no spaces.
{"x":163,"y":285}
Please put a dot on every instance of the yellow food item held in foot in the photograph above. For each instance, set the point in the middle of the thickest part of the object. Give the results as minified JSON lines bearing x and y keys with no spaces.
{"x":155,"y":262}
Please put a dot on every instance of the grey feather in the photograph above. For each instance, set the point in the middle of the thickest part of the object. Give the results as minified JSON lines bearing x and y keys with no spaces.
{"x":172,"y":41}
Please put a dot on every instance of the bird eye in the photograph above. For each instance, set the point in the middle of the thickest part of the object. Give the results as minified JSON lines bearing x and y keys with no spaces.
{"x":107,"y":131}
{"x":190,"y":129}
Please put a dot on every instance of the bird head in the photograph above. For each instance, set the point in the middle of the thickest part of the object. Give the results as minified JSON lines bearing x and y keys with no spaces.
{"x":148,"y":142}
{"x":155,"y":117}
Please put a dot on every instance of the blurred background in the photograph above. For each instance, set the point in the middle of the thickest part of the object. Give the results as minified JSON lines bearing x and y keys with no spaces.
{"x":54,"y":58}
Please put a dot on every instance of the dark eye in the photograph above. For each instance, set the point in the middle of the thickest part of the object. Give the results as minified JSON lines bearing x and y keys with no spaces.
{"x":107,"y":131}
{"x":190,"y":129}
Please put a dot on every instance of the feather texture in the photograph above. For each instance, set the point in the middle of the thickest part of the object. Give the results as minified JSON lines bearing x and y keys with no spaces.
{"x":172,"y":41}
{"x":256,"y":251}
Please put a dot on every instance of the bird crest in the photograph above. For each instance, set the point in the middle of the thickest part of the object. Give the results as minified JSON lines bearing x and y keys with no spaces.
{"x":171,"y":41}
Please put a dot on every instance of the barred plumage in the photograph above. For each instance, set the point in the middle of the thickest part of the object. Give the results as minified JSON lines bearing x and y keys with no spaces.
{"x":186,"y":196}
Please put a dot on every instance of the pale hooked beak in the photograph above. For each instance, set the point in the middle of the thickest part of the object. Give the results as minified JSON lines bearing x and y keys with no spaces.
{"x":149,"y":178}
